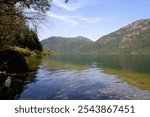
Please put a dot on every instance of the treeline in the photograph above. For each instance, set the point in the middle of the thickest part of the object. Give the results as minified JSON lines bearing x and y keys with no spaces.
{"x":14,"y":23}
{"x":29,"y":40}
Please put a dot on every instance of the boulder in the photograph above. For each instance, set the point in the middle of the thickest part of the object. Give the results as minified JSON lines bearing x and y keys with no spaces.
{"x":12,"y":62}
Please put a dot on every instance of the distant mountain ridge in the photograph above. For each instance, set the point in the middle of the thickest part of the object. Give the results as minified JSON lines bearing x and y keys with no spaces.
{"x":65,"y":45}
{"x":131,"y":39}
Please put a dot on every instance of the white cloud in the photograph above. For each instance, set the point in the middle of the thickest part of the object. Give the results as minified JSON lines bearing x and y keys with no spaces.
{"x":69,"y":6}
{"x":65,"y":18}
{"x":75,"y":20}
{"x":91,"y":20}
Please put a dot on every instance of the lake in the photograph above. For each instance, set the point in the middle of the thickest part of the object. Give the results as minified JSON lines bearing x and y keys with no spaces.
{"x":81,"y":77}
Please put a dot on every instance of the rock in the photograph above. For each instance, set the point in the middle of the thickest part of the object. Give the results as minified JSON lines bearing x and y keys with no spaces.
{"x":12,"y":62}
{"x":7,"y":82}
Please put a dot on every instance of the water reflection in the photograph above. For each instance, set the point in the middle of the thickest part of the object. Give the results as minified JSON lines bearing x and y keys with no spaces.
{"x":91,"y":77}
{"x":132,"y":69}
{"x":137,"y":63}
{"x":11,"y":86}
{"x":135,"y":79}
{"x":80,"y":77}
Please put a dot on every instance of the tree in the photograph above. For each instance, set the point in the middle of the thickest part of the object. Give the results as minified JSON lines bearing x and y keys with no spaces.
{"x":8,"y":25}
{"x":38,"y":5}
{"x":15,"y":16}
{"x":30,"y":10}
{"x":28,"y":39}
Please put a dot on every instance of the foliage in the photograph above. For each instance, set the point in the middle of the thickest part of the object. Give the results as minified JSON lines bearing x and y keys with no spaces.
{"x":23,"y":51}
{"x":9,"y":25}
{"x":28,"y":39}
{"x":27,"y":52}
{"x":46,"y":52}
{"x":14,"y":28}
{"x":38,"y":5}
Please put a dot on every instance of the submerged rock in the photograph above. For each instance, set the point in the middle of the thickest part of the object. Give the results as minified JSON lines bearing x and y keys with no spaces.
{"x":12,"y":62}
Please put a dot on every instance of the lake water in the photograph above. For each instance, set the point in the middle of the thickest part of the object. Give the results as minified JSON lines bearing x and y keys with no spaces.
{"x":81,"y":77}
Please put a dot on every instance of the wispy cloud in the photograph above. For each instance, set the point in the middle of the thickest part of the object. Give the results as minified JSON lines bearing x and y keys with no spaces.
{"x":94,"y":20}
{"x":69,"y":6}
{"x":75,"y":20}
{"x":90,"y":20}
{"x":65,"y":18}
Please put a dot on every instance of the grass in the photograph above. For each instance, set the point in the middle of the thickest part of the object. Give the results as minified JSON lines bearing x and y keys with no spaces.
{"x":28,"y":52}
{"x":23,"y":51}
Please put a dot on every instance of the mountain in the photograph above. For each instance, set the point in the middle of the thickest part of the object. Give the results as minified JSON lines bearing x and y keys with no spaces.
{"x":63,"y":45}
{"x":131,"y":39}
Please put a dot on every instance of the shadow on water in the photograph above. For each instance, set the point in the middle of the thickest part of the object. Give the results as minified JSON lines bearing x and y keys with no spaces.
{"x":11,"y":86}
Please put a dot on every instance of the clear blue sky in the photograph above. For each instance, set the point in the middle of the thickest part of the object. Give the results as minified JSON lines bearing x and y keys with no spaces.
{"x":92,"y":18}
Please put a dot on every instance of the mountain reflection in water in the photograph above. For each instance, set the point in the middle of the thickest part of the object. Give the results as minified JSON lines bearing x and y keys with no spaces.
{"x":82,"y":77}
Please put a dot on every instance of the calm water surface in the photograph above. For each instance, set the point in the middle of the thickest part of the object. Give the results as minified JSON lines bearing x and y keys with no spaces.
{"x":82,"y":77}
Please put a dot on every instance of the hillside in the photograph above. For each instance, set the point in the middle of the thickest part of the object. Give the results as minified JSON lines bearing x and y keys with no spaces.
{"x":131,"y":39}
{"x":63,"y":45}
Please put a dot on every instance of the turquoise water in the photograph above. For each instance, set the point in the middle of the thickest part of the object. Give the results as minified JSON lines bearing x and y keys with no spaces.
{"x":82,"y":77}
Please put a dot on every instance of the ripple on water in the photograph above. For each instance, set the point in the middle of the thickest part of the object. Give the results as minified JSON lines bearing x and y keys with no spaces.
{"x":88,"y":83}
